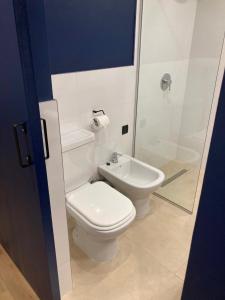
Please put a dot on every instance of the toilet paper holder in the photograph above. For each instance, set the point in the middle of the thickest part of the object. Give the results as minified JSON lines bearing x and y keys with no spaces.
{"x":99,"y":120}
{"x":98,"y":111}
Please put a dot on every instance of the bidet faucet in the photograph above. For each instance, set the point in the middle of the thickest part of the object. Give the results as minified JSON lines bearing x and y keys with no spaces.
{"x":114,"y":158}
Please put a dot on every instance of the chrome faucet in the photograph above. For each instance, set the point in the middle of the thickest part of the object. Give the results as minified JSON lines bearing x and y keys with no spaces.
{"x":114,"y":158}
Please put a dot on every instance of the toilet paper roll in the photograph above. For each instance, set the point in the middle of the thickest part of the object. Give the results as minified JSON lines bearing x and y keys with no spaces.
{"x":99,"y":122}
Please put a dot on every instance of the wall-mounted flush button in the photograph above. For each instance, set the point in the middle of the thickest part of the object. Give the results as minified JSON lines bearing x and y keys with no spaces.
{"x":125,"y":129}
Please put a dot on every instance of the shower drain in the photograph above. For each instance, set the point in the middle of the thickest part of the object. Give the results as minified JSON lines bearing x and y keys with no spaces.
{"x":175,"y":176}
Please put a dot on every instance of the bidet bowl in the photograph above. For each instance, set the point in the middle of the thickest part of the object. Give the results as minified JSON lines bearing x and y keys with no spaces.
{"x":135,"y":179}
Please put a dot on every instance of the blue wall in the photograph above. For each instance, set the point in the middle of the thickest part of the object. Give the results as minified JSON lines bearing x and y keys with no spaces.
{"x":39,"y":48}
{"x":90,"y":34}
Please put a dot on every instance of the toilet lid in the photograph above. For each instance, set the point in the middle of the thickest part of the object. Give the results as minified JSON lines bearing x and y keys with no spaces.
{"x":100,"y":204}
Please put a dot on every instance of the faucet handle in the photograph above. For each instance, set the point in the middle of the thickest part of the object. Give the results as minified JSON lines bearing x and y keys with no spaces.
{"x":114,"y":158}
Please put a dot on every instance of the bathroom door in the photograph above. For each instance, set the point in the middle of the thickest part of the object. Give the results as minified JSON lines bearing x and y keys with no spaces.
{"x":205,"y":277}
{"x":205,"y":274}
{"x":25,"y":218}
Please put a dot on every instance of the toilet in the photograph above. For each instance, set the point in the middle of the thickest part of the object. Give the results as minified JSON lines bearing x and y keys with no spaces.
{"x":101,"y":212}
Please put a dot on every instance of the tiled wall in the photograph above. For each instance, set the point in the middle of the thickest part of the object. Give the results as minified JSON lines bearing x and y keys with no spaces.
{"x":167,"y":32}
{"x":183,"y":38}
{"x":112,"y":90}
{"x":204,"y":60}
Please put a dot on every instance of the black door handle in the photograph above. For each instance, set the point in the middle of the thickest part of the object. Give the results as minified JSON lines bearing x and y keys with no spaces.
{"x":20,"y":133}
{"x":47,"y":155}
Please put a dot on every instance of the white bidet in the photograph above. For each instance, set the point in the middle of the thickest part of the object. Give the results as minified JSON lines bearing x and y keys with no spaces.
{"x":135,"y":179}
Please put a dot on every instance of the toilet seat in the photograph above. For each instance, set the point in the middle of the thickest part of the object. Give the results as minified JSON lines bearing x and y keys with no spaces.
{"x":97,"y":229}
{"x":100,"y":208}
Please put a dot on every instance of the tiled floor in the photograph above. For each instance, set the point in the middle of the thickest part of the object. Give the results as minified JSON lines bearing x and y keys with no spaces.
{"x":150,"y":265}
{"x":182,"y":190}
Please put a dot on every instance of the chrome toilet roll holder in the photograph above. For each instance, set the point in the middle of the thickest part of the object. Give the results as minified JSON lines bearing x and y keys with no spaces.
{"x":98,"y":111}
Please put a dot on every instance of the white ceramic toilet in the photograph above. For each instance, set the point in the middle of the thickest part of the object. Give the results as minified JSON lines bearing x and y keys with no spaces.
{"x":101,"y":212}
{"x":135,"y":179}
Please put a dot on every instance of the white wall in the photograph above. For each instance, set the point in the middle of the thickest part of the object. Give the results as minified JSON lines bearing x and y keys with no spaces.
{"x":167,"y":32}
{"x":204,"y":60}
{"x":110,"y":89}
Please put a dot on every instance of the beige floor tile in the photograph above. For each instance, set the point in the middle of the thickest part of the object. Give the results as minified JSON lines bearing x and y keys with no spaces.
{"x":2,"y":287}
{"x":177,"y":221}
{"x":182,"y":190}
{"x":166,"y":235}
{"x":6,"y":296}
{"x":170,"y":252}
{"x":173,"y":167}
{"x":134,"y":274}
{"x":181,"y":272}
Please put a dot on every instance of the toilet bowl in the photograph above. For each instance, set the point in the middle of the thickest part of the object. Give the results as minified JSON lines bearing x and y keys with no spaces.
{"x":101,"y":215}
{"x":134,"y":179}
{"x":101,"y":212}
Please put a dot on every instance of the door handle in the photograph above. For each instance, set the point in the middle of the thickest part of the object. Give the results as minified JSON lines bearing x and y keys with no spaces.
{"x":45,"y":132}
{"x":20,"y":133}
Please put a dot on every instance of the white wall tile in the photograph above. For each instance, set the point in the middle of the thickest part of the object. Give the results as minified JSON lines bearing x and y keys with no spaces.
{"x":183,"y":38}
{"x":205,"y":54}
{"x":209,"y":29}
{"x":167,"y":30}
{"x":110,"y":89}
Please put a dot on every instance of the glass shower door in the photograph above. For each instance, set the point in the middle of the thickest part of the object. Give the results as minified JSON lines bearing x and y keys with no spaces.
{"x":180,"y":49}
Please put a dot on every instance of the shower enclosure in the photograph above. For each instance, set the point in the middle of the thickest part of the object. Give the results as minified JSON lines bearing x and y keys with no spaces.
{"x":180,"y":48}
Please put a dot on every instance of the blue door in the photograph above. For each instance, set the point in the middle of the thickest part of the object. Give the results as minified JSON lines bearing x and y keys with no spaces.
{"x":205,"y":278}
{"x":25,"y":218}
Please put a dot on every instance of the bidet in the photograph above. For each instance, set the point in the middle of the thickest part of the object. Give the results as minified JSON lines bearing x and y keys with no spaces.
{"x":134,"y":179}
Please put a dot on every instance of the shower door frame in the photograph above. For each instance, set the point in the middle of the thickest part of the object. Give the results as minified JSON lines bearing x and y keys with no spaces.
{"x":212,"y":116}
{"x":139,"y":22}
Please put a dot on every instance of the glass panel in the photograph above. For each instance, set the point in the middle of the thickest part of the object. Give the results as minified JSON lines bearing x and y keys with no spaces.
{"x":181,"y":44}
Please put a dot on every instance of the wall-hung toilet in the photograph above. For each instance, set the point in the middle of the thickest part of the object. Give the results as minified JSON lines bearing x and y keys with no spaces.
{"x":135,"y":179}
{"x":101,"y":213}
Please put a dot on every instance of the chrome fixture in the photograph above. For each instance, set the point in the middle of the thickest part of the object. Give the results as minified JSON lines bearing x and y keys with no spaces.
{"x":114,"y":158}
{"x":98,"y":111}
{"x":166,"y":82}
